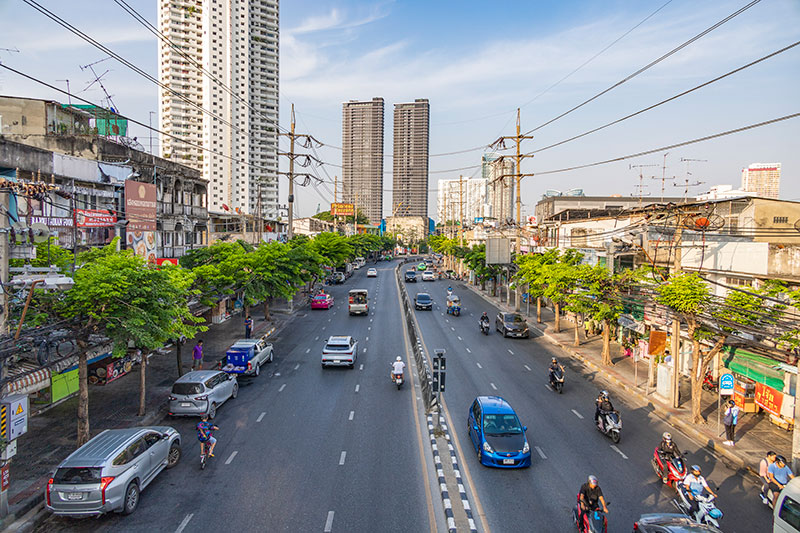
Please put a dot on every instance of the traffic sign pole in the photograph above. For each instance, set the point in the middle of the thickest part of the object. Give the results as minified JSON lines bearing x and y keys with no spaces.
{"x":726,"y":384}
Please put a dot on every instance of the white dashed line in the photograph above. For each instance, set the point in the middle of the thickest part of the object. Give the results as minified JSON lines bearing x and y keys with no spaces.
{"x":352,"y":414}
{"x":547,"y":386}
{"x":323,"y":327}
{"x":358,"y":387}
{"x":370,"y":321}
{"x":308,"y":350}
{"x":577,"y":414}
{"x":282,"y":387}
{"x":361,"y":366}
{"x":492,"y":384}
{"x":512,"y":353}
{"x":613,"y":447}
{"x":447,"y":320}
{"x":184,"y":523}
{"x":364,"y":350}
{"x":451,"y":327}
{"x":341,"y":458}
{"x":261,"y":417}
{"x":479,"y":365}
{"x":459,"y":338}
{"x":316,"y":338}
{"x":540,"y":452}
{"x":527,"y":368}
{"x":369,"y":328}
{"x":297,"y":366}
{"x":328,"y":523}
{"x":468,"y":350}
{"x":231,"y":457}
{"x":367,"y":338}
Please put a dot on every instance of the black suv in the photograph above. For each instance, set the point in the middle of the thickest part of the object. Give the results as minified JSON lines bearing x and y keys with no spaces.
{"x":423,"y":300}
{"x":511,"y":325}
{"x":411,"y":275}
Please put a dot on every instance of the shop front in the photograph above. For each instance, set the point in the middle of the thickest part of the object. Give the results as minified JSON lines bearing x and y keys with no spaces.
{"x":761,"y":384}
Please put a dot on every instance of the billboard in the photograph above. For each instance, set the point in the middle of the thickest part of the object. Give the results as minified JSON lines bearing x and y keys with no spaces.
{"x":95,"y":218}
{"x":498,"y":251}
{"x":140,"y":206}
{"x":345,"y":210}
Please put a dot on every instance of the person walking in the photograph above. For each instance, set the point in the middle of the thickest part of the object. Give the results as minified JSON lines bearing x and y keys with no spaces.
{"x":197,"y":356}
{"x":763,"y":473}
{"x":730,"y":420}
{"x":248,"y":326}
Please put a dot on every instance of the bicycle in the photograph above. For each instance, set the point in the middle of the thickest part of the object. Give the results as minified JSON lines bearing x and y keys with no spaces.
{"x":204,"y":455}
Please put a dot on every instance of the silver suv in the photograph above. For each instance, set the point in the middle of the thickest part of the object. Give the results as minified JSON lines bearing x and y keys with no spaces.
{"x":340,"y":350}
{"x":108,"y":473}
{"x":201,"y":392}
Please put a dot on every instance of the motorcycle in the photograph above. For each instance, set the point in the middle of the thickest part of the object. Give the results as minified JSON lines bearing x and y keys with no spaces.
{"x":676,"y":469}
{"x":484,"y":324}
{"x":709,"y":383}
{"x":557,"y":380}
{"x":593,"y":521}
{"x":397,"y":379}
{"x":610,"y":425}
{"x":707,"y":513}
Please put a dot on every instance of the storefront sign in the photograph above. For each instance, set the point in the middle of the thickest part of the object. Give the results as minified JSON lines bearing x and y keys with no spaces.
{"x":726,"y":384}
{"x":339,"y":209}
{"x":53,"y":222}
{"x":140,"y":206}
{"x":95,"y":218}
{"x":162,"y":260}
{"x":658,"y":342}
{"x":769,"y":399}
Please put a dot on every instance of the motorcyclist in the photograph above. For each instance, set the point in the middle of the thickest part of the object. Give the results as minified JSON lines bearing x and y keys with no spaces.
{"x":398,"y":367}
{"x":449,"y":290}
{"x":484,"y":320}
{"x":667,"y":449}
{"x":602,"y":406}
{"x":554,"y":365}
{"x":589,"y":497}
{"x":694,"y":484}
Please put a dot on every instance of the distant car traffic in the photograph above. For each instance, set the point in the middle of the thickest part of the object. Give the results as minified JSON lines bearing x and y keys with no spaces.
{"x":497,"y":434}
{"x":423,"y":300}
{"x":422,"y":266}
{"x":411,"y":276}
{"x":108,"y":473}
{"x":201,"y":392}
{"x":428,"y":275}
{"x":671,"y":523}
{"x":372,"y":273}
{"x":337,"y":278}
{"x":340,"y":350}
{"x":322,"y":301}
{"x":511,"y":325}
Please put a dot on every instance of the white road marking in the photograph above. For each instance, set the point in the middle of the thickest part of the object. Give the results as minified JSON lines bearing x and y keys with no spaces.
{"x":261,"y":417}
{"x":369,"y":328}
{"x":297,"y":366}
{"x":361,"y":366}
{"x":231,"y":457}
{"x":328,"y":321}
{"x":459,"y":338}
{"x":479,"y":365}
{"x":548,"y":387}
{"x":528,"y":368}
{"x":358,"y":387}
{"x":316,"y":338}
{"x":323,"y":327}
{"x":367,"y":338}
{"x":370,"y":321}
{"x":541,"y":453}
{"x":577,"y":414}
{"x":184,"y":523}
{"x":613,"y":447}
{"x":364,"y":350}
{"x":328,"y":523}
{"x":341,"y":458}
{"x":352,"y":414}
{"x":512,"y":353}
{"x":308,"y":350}
{"x":447,"y":320}
{"x":468,"y":350}
{"x":492,"y":384}
{"x":451,"y":327}
{"x":471,"y":314}
{"x":282,"y":387}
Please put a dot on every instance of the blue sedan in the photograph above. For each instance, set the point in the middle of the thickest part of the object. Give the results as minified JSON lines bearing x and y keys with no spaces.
{"x":497,"y":435}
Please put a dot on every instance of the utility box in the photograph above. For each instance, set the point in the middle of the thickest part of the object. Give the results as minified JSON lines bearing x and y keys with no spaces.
{"x":13,"y":416}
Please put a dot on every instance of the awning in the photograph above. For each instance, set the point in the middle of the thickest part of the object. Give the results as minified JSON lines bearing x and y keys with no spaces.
{"x":31,"y":378}
{"x":753,"y":366}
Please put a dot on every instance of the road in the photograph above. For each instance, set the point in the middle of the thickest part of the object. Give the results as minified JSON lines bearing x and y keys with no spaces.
{"x":304,"y":448}
{"x":565,"y":446}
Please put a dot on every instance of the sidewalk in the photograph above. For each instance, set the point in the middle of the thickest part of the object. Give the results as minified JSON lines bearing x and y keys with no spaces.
{"x":52,"y":434}
{"x":755,"y":434}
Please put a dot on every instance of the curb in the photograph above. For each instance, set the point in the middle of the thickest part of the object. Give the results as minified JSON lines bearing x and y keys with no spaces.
{"x":696,"y":435}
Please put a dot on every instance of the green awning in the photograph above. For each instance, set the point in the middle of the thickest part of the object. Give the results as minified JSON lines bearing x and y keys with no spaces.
{"x":753,"y":366}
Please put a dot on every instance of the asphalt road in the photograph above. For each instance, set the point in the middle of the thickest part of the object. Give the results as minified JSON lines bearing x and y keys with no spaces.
{"x":565,"y":445}
{"x":303,"y":448}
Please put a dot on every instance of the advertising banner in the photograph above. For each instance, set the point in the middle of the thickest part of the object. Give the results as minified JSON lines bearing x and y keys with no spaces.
{"x":95,"y":218}
{"x":343,"y":210}
{"x":769,"y":399}
{"x":140,"y":206}
{"x":165,"y":260}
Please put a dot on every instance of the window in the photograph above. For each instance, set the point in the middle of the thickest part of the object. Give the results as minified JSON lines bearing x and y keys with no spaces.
{"x":738,"y":282}
{"x":790,"y":513}
{"x":780,"y":220}
{"x":136,"y":449}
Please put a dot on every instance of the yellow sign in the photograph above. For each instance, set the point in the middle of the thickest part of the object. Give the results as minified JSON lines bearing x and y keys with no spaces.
{"x":345,"y":210}
{"x":19,"y":410}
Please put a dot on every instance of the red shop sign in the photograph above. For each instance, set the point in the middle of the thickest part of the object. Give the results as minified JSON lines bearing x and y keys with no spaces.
{"x":768,"y":398}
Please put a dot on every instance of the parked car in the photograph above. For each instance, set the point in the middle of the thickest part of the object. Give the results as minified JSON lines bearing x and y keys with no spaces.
{"x":246,"y":356}
{"x":108,"y":473}
{"x":497,"y":434}
{"x":671,"y":523}
{"x":511,"y":325}
{"x":322,"y":301}
{"x":201,"y":392}
{"x":786,"y":515}
{"x":337,"y":278}
{"x":340,"y":350}
{"x":372,"y":273}
{"x":428,"y":275}
{"x":411,"y":276}
{"x":423,"y":300}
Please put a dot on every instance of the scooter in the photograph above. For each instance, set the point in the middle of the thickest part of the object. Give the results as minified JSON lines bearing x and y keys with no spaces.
{"x":709,"y":383}
{"x":676,"y":469}
{"x":610,"y":425}
{"x":484,"y":327}
{"x":593,"y":521}
{"x":707,"y":513}
{"x":397,"y":379}
{"x":557,"y":380}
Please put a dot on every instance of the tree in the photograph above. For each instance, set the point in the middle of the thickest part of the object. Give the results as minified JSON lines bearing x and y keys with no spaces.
{"x":557,"y":280}
{"x":326,"y":216}
{"x":333,"y":248}
{"x":476,"y":261}
{"x":578,"y":300}
{"x":530,"y":273}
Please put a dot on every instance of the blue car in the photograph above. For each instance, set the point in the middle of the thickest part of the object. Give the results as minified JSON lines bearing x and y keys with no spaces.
{"x":497,"y":435}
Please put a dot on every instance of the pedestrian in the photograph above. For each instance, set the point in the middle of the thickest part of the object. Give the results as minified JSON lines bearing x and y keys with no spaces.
{"x":248,"y":326}
{"x":763,"y":469}
{"x":197,"y":356}
{"x":730,"y":420}
{"x":779,"y":475}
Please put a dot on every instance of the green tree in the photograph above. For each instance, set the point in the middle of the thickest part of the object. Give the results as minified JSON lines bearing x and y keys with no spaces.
{"x":326,"y":216}
{"x":530,"y":273}
{"x":333,"y":248}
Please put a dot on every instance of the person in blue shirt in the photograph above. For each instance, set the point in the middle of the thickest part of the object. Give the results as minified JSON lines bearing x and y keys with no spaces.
{"x":204,"y":429}
{"x":778,"y":475}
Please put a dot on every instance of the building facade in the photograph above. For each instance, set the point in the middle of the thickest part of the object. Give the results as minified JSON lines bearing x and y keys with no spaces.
{"x":362,"y":156}
{"x":500,"y":187}
{"x":552,"y":204}
{"x":471,"y":192}
{"x":410,"y":166}
{"x":763,"y":179}
{"x":224,"y":66}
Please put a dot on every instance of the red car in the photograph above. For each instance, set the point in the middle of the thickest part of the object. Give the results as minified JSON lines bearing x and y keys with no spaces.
{"x":322,"y":301}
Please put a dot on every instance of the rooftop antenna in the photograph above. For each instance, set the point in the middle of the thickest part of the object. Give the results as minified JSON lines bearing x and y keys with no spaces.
{"x":69,"y":94}
{"x":9,"y":50}
{"x":687,"y":184}
{"x":99,"y":80}
{"x":641,"y":185}
{"x":663,"y":177}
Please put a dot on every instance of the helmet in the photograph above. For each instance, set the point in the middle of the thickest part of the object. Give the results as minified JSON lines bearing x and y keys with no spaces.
{"x":604,"y":393}
{"x":399,"y":358}
{"x":553,"y":360}
{"x":666,"y":436}
{"x":696,"y":468}
{"x":593,"y":480}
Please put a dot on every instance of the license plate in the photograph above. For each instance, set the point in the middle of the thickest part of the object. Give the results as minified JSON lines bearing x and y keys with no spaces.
{"x":186,"y":404}
{"x":74,"y":496}
{"x":508,"y":461}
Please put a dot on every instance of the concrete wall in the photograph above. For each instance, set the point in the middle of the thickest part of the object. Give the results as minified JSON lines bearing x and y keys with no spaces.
{"x":23,"y":116}
{"x":734,"y":257}
{"x":784,"y":261}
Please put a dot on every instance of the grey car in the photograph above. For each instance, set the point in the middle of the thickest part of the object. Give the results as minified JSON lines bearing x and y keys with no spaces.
{"x":108,"y":473}
{"x":201,"y":392}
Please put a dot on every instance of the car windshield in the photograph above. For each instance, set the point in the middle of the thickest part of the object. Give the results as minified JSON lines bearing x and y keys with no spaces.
{"x":423,"y":298}
{"x":411,"y":273}
{"x":187,"y":388}
{"x":501,"y":424}
{"x":337,"y":347}
{"x":321,"y":297}
{"x":359,"y":298}
{"x":77,"y":476}
{"x":515,"y":319}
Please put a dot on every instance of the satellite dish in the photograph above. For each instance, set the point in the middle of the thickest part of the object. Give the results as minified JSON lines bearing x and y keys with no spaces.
{"x":40,"y":232}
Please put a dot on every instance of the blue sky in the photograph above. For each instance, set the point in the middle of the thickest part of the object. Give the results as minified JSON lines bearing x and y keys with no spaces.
{"x":477,"y":62}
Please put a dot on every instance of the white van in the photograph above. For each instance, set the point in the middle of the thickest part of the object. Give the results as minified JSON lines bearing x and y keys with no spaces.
{"x":786,"y":516}
{"x":358,"y":302}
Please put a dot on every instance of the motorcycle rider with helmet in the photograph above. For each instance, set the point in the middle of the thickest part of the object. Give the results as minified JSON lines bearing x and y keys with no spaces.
{"x":554,"y":366}
{"x":484,"y":320}
{"x":589,"y":496}
{"x":693,"y":484}
{"x":398,"y":367}
{"x":667,"y":450}
{"x":602,"y":406}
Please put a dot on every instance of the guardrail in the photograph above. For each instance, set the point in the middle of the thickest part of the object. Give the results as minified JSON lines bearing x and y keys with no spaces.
{"x":420,"y":357}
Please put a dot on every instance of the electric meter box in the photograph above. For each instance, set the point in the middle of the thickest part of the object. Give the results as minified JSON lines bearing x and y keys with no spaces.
{"x":13,"y":416}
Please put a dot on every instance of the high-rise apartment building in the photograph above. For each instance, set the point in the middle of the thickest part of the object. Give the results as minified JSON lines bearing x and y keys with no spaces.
{"x":500,"y":186}
{"x":410,"y":166}
{"x":763,"y":179}
{"x":236,"y":44}
{"x":451,"y":194}
{"x":362,"y":156}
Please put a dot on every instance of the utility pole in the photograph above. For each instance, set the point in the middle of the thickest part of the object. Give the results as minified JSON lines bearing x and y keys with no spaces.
{"x":290,"y":231}
{"x":664,"y":177}
{"x":461,"y":205}
{"x":676,"y":324}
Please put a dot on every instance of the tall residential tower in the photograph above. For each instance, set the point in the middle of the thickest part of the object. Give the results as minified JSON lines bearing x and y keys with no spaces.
{"x":362,"y":157}
{"x":763,"y":179}
{"x":228,"y":66}
{"x":410,"y":167}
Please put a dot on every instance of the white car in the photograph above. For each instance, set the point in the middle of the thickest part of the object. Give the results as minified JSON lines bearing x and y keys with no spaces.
{"x":340,"y":351}
{"x":372,"y":273}
{"x":428,"y":276}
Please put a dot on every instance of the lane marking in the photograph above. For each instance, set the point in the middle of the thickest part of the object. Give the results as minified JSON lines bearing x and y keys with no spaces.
{"x":297,"y":366}
{"x":459,"y":338}
{"x":358,"y":387}
{"x":540,"y":452}
{"x":323,"y":327}
{"x":341,"y":458}
{"x":451,"y":327}
{"x":479,"y":365}
{"x":548,"y":387}
{"x":367,"y":338}
{"x":316,"y":338}
{"x":282,"y":387}
{"x":308,"y":350}
{"x":184,"y":523}
{"x":370,"y":320}
{"x":261,"y":416}
{"x":492,"y":384}
{"x":328,"y":523}
{"x":231,"y":457}
{"x":577,"y":414}
{"x":352,"y":414}
{"x":614,"y":447}
{"x":364,"y":350}
{"x":361,"y":366}
{"x":369,"y":328}
{"x":468,"y":350}
{"x":447,"y":320}
{"x":528,"y":368}
{"x":509,"y":351}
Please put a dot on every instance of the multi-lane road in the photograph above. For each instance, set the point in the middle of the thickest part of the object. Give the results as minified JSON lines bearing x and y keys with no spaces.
{"x":304,"y":448}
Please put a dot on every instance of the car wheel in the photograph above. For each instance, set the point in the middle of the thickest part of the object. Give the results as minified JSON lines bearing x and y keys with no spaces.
{"x":131,"y":498}
{"x":271,"y":353}
{"x":235,"y":391}
{"x":505,"y":332}
{"x":257,"y":370}
{"x":174,"y":455}
{"x":212,"y":411}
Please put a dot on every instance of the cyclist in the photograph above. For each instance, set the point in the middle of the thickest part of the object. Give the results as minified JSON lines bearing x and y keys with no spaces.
{"x":204,"y":430}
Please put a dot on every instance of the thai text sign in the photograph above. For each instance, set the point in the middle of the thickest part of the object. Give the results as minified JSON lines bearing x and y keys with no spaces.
{"x":95,"y":218}
{"x":344,"y":210}
{"x":140,"y":206}
{"x":769,"y":399}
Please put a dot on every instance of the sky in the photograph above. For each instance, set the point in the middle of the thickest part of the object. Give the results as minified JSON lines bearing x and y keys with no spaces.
{"x":477,"y":62}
